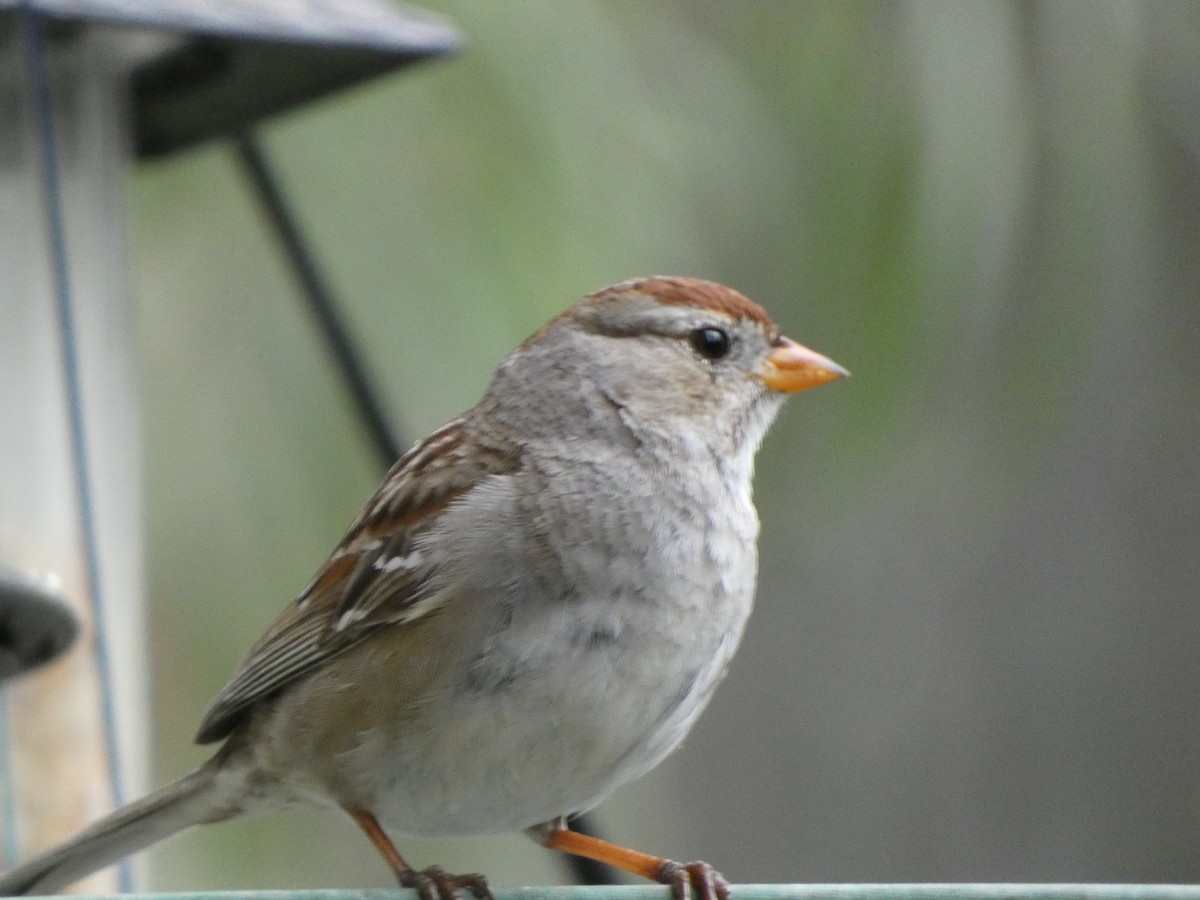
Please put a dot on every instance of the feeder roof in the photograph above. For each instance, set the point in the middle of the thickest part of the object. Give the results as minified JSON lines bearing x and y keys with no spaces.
{"x":234,"y":62}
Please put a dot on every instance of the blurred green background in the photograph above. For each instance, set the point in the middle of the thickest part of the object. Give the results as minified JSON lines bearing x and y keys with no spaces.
{"x":975,"y":654}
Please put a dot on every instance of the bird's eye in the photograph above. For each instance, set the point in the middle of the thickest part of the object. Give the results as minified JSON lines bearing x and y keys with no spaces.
{"x":710,"y":342}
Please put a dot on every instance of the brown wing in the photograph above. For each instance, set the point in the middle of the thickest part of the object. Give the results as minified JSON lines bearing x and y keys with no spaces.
{"x":377,"y":576}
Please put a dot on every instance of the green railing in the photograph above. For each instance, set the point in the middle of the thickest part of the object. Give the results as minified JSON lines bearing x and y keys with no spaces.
{"x":753,"y":892}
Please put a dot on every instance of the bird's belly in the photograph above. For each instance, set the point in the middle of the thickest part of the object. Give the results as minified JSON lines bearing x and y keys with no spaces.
{"x":533,"y":736}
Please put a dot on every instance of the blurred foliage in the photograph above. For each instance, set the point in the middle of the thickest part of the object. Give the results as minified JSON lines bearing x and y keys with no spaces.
{"x":974,"y":656}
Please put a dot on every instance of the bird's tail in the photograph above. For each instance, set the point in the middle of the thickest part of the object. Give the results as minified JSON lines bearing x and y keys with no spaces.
{"x":189,"y":801}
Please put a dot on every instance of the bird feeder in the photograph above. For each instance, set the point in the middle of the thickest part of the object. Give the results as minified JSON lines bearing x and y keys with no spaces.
{"x":86,"y":87}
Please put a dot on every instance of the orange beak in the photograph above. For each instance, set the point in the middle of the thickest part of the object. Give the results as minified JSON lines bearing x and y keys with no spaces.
{"x":791,"y":367}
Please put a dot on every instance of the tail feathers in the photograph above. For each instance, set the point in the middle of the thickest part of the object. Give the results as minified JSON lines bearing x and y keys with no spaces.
{"x":188,"y":801}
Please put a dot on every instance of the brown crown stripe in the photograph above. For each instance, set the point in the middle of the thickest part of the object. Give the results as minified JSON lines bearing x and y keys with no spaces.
{"x":690,"y":292}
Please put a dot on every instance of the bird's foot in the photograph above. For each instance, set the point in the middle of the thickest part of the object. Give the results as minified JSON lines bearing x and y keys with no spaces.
{"x":706,"y":881}
{"x":435,"y":883}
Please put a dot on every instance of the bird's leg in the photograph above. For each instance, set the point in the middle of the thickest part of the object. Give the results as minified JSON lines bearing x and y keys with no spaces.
{"x":433,"y":883}
{"x":371,"y":827}
{"x":707,"y":881}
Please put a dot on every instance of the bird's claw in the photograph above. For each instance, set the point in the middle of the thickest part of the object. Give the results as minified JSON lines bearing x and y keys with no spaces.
{"x":699,"y":876}
{"x":435,"y":883}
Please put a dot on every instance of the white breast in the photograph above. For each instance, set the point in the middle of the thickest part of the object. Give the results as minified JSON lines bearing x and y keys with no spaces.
{"x":594,"y":659}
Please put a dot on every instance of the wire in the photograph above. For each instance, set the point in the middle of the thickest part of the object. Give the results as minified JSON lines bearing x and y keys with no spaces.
{"x":35,"y":51}
{"x":9,"y":824}
{"x":319,"y":298}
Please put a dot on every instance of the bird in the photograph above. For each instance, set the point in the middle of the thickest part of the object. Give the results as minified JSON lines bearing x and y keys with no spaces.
{"x":532,"y":609}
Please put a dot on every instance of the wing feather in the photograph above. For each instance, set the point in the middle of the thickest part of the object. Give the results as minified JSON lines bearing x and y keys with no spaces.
{"x":378,"y":576}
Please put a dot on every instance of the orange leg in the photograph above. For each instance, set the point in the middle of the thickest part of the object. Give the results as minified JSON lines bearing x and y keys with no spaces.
{"x":707,"y":881}
{"x":371,"y":827}
{"x":433,"y":883}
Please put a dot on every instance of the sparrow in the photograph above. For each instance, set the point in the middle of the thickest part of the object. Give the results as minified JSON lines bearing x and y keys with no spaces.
{"x":532,"y":610}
